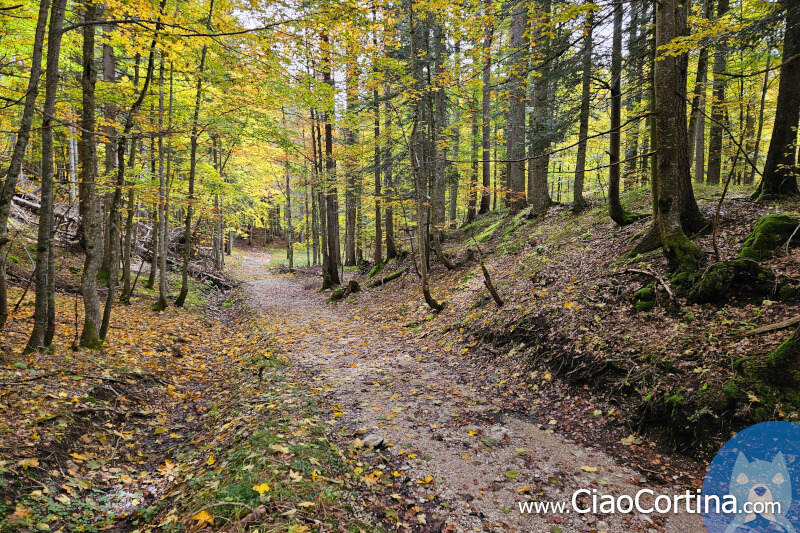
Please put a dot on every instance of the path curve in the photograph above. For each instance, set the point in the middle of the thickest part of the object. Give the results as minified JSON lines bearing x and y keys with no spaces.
{"x":393,"y":385}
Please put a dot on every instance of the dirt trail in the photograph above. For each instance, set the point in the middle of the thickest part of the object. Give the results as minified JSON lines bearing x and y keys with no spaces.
{"x":409,"y":393}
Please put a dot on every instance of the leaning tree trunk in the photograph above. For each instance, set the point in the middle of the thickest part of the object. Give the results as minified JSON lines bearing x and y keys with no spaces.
{"x":18,"y":155}
{"x":780,"y":169}
{"x":44,"y":310}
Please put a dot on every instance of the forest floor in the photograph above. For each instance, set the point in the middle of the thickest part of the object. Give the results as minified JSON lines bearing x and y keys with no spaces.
{"x":269,"y":407}
{"x":440,"y":446}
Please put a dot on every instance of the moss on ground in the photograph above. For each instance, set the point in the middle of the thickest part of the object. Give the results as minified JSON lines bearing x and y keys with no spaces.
{"x":726,"y":277}
{"x":770,"y":232}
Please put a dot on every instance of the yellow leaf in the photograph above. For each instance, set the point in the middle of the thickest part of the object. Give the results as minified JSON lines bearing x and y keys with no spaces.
{"x":26,"y":463}
{"x":425,"y":481}
{"x":589,"y":468}
{"x":211,"y":460}
{"x":261,"y":489}
{"x":203,"y":517}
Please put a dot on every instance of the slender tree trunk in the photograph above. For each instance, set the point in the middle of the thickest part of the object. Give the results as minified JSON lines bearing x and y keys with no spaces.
{"x":349,"y":135}
{"x":158,"y":224}
{"x":615,"y":210}
{"x":472,"y":192}
{"x":44,"y":306}
{"x":18,"y":155}
{"x":90,"y":207}
{"x":120,"y":181}
{"x":331,"y":197}
{"x":633,"y":99}
{"x":780,"y":168}
{"x":718,"y":113}
{"x":515,"y":130}
{"x":439,"y":154}
{"x":751,"y":175}
{"x":128,"y":239}
{"x":187,"y":228}
{"x":578,"y":202}
{"x":377,"y":171}
{"x":390,"y":192}
{"x":698,"y":104}
{"x":486,"y":102}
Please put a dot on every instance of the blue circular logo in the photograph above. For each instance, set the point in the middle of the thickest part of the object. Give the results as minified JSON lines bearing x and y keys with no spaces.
{"x":753,"y":483}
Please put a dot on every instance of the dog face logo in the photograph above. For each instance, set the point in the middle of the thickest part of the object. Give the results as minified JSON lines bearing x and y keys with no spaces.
{"x":767,"y":488}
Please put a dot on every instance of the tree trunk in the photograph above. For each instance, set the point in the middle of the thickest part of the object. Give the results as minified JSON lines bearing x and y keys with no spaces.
{"x":472,"y":192}
{"x":673,"y":182}
{"x":331,"y":197}
{"x":44,"y":306}
{"x":391,"y":246}
{"x":128,"y":238}
{"x":515,"y":130}
{"x":751,"y":174}
{"x":349,"y":134}
{"x":486,"y":102}
{"x":698,"y":103}
{"x":377,"y":172}
{"x":120,"y":182}
{"x":615,"y":210}
{"x":717,"y":106}
{"x":780,"y":169}
{"x":187,"y":228}
{"x":163,"y":202}
{"x":90,"y":208}
{"x":18,"y":155}
{"x":539,"y":165}
{"x":578,"y":202}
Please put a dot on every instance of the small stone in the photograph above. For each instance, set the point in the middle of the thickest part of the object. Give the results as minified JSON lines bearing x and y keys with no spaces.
{"x":373,"y":441}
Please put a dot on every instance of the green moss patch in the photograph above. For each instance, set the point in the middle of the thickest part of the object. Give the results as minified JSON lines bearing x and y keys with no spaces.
{"x":736,"y":275}
{"x":770,"y":232}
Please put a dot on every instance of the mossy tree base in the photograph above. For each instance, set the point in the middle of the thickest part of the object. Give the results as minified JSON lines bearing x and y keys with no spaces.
{"x":625,"y":218}
{"x":683,"y":255}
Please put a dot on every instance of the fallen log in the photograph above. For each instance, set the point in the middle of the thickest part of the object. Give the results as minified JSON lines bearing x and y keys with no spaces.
{"x":386,"y":279}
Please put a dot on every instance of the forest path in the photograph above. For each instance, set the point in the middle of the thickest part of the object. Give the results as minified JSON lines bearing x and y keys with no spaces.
{"x":387,"y":382}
